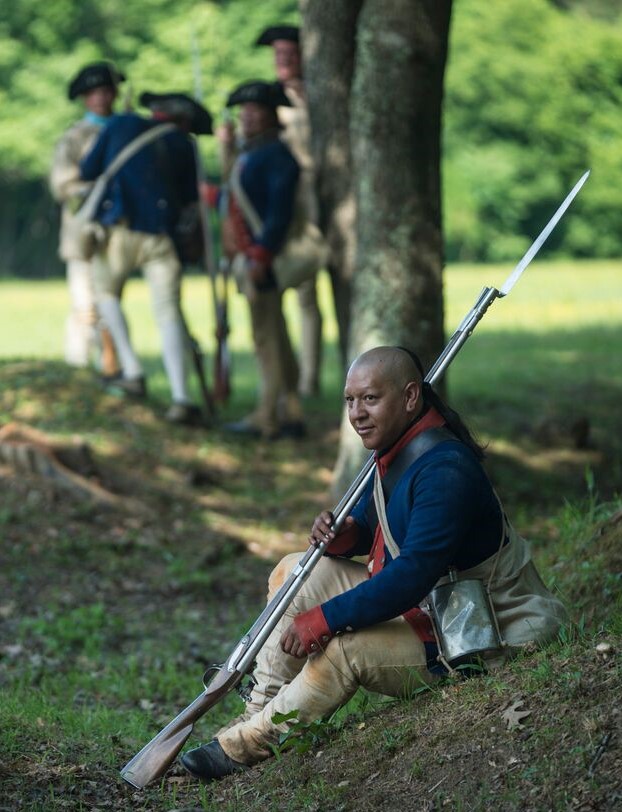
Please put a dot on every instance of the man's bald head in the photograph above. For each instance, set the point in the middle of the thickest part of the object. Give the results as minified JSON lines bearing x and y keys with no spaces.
{"x":383,"y":394}
{"x":394,"y":364}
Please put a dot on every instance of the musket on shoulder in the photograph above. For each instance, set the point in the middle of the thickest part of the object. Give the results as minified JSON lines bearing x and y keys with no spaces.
{"x":222,"y":360}
{"x":156,"y":756}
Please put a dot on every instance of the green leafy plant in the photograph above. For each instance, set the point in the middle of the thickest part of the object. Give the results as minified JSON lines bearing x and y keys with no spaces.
{"x":301,"y":736}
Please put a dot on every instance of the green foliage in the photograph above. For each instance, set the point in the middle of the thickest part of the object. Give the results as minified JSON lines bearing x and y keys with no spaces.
{"x":533,"y":98}
{"x":300,"y":736}
{"x":150,"y":40}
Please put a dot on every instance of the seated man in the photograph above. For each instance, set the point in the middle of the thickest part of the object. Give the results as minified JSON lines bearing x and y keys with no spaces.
{"x":355,"y":625}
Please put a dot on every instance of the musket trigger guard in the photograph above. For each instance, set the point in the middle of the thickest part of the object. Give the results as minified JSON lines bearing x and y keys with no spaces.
{"x":211,"y":673}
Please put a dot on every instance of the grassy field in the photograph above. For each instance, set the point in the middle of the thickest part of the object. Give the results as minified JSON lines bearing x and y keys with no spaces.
{"x":110,"y":613}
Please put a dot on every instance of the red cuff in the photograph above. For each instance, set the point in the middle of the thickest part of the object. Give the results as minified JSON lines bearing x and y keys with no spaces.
{"x":313,"y":629}
{"x":260,"y":254}
{"x":210,"y":194}
{"x":344,"y":542}
{"x":421,"y":624}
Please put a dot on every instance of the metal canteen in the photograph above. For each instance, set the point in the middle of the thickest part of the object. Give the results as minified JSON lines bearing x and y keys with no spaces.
{"x":463,"y":620}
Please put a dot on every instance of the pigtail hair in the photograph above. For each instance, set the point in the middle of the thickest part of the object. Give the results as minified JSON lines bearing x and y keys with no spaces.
{"x":454,"y":422}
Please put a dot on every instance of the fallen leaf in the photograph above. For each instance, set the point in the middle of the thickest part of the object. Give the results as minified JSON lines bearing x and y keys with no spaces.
{"x":146,"y":704}
{"x":512,"y":715}
{"x":12,"y":650}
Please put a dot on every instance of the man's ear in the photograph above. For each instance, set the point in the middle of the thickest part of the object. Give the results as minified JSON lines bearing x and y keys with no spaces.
{"x":412,"y":392}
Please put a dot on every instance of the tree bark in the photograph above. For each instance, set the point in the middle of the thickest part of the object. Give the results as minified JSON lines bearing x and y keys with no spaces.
{"x":395,"y":128}
{"x":328,"y":57}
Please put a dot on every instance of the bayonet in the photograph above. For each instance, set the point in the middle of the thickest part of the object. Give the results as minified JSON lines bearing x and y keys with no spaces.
{"x":542,"y":237}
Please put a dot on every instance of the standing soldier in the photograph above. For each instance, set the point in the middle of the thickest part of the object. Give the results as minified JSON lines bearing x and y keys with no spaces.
{"x":284,"y":40}
{"x":262,"y":189}
{"x":96,"y":85}
{"x":140,"y":212}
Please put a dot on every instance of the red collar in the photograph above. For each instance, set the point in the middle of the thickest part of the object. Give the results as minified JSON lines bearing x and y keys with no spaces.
{"x":430,"y":420}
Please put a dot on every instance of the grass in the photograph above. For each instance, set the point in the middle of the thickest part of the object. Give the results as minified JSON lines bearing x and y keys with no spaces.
{"x":108,"y":618}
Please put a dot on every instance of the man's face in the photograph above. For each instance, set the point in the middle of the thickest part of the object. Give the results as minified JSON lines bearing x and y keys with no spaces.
{"x":100,"y":100}
{"x":287,"y":62}
{"x":255,"y":119}
{"x":379,"y":410}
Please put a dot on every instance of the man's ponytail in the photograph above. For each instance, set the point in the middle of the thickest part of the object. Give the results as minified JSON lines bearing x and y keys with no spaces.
{"x":454,"y":422}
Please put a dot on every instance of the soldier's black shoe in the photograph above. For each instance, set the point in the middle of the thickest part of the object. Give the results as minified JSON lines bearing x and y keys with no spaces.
{"x":295,"y":429}
{"x":185,"y":414}
{"x":244,"y":428}
{"x":127,"y":387}
{"x":210,"y":762}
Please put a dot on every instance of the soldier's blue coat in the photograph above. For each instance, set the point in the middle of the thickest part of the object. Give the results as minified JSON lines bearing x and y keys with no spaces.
{"x":442,"y":512}
{"x":143,"y":193}
{"x":269,"y":175}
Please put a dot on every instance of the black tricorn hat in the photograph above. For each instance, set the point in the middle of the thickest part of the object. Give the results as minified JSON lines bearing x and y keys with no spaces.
{"x":97,"y":74}
{"x":178,"y":105}
{"x":288,"y":32}
{"x":270,"y":94}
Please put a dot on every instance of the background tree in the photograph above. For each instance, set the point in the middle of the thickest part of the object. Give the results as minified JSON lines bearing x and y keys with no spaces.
{"x":329,"y":52}
{"x":399,"y":50}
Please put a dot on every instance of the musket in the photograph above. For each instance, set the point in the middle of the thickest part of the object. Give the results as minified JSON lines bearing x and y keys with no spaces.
{"x":222,"y":360}
{"x":196,"y":354}
{"x":156,"y":756}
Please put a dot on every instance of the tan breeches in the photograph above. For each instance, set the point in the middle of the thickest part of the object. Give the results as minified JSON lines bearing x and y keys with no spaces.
{"x":155,"y":254}
{"x":388,"y":658}
{"x":81,"y":339}
{"x":278,"y":368}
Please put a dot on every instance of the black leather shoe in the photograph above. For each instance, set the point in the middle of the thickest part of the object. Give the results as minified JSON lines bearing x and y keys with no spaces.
{"x":128,"y":387}
{"x":185,"y":414}
{"x":243,"y":428}
{"x":210,"y":762}
{"x":295,"y":429}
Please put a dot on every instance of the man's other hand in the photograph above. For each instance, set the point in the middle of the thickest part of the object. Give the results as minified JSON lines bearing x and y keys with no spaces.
{"x":291,"y":643}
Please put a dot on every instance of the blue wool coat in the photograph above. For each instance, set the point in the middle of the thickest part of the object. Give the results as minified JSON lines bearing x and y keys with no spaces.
{"x":269,"y":175}
{"x":150,"y":189}
{"x":442,"y":512}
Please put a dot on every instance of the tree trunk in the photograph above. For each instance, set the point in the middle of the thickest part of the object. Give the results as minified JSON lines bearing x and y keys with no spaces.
{"x":328,"y":54}
{"x":395,"y":127}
